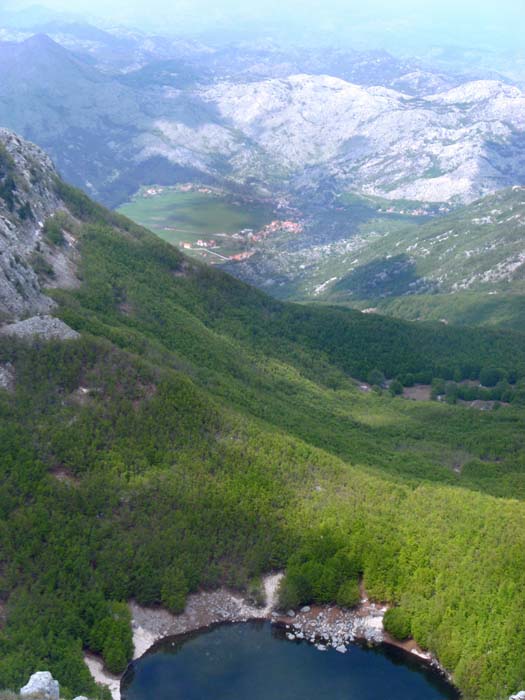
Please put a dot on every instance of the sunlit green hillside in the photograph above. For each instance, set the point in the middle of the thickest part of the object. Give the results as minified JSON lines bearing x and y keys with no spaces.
{"x":200,"y":433}
{"x":466,"y":267}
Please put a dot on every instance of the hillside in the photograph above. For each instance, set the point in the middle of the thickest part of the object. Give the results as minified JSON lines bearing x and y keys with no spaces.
{"x":466,"y":267}
{"x":197,"y":432}
{"x":183,"y":115}
{"x":102,"y":119}
{"x":440,"y":147}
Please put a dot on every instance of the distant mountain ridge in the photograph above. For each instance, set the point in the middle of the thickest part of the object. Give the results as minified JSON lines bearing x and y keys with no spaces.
{"x":454,"y":145}
{"x":186,"y":119}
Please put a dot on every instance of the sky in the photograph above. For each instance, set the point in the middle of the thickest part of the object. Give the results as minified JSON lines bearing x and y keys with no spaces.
{"x":497,"y":24}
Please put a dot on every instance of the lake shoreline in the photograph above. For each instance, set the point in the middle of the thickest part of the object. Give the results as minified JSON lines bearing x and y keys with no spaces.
{"x":324,"y":626}
{"x":329,"y":626}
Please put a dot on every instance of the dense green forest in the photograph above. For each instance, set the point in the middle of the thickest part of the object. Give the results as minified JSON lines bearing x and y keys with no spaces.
{"x":466,"y":308}
{"x":200,"y":433}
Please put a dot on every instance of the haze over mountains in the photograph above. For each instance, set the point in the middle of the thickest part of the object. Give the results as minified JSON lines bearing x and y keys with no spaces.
{"x":278,"y":121}
{"x":168,"y":430}
{"x":298,"y":127}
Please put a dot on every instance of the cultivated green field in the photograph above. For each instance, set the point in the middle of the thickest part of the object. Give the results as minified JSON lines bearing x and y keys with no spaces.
{"x":187,"y":216}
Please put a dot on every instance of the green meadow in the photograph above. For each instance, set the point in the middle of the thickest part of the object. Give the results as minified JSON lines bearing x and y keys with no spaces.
{"x":187,"y":216}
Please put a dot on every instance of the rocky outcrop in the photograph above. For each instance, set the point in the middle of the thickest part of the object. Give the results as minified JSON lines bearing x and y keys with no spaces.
{"x":29,"y":260}
{"x":44,"y":327}
{"x":7,"y":377}
{"x":327,"y":626}
{"x":41,"y":686}
{"x":26,"y":201}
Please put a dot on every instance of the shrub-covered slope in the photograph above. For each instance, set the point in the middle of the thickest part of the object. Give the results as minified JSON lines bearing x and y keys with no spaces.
{"x":466,"y":267}
{"x":199,"y":432}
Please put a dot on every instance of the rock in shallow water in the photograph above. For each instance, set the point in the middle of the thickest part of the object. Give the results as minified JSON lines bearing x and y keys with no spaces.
{"x":41,"y":686}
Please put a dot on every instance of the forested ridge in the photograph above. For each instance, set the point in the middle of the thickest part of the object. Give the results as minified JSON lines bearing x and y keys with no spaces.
{"x":200,"y":433}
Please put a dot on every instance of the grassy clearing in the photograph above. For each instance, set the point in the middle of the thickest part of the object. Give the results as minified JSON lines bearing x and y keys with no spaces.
{"x":187,"y":216}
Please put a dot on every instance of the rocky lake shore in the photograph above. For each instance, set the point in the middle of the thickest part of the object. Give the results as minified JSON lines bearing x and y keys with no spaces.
{"x":324,"y":626}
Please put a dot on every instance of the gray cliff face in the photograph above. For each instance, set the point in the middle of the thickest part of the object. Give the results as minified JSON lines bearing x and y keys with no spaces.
{"x":29,"y":262}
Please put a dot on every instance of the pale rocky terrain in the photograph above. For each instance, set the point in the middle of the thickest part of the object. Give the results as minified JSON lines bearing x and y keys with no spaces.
{"x":39,"y":326}
{"x":453,"y":145}
{"x":20,"y":290}
{"x":7,"y":377}
{"x":29,"y":261}
{"x":42,"y":686}
{"x":264,"y":119}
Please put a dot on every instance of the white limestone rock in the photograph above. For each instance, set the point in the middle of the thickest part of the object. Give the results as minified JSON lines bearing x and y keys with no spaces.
{"x":45,"y":327}
{"x":7,"y":377}
{"x":453,"y":145}
{"x":41,"y":686}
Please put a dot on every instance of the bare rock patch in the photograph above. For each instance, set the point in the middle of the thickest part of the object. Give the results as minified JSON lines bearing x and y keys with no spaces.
{"x":45,"y":327}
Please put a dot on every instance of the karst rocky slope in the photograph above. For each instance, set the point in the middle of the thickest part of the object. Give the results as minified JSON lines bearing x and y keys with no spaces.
{"x":37,"y":241}
{"x":409,"y":135}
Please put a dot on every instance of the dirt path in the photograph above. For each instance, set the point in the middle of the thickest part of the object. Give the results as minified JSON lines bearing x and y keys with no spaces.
{"x":100,"y":675}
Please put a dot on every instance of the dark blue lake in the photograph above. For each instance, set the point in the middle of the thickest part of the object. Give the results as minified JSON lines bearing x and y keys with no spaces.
{"x":254,"y":661}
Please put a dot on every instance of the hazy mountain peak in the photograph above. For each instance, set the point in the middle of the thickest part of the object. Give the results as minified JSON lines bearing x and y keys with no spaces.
{"x":42,"y":41}
{"x":477,"y":91}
